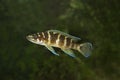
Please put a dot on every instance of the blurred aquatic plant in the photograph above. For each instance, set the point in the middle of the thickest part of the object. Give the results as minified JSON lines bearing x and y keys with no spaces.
{"x":77,"y":4}
{"x":95,"y":20}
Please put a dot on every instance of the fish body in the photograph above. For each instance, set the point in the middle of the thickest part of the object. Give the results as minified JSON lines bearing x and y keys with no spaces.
{"x":64,"y":41}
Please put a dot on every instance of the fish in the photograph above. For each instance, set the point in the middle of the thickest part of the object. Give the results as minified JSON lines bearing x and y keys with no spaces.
{"x":66,"y":42}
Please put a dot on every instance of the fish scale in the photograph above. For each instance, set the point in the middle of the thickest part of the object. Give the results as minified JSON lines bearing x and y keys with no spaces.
{"x":64,"y":41}
{"x":59,"y":40}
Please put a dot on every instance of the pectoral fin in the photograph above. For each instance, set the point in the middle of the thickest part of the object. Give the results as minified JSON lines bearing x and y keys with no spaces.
{"x":69,"y":52}
{"x":52,"y":50}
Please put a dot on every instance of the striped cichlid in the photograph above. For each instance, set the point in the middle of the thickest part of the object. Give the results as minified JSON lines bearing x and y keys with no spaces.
{"x":64,"y":41}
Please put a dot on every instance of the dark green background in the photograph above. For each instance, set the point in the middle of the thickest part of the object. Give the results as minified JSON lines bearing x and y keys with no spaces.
{"x":96,"y":21}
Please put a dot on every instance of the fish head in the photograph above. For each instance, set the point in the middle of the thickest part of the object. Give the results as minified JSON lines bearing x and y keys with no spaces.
{"x":34,"y":38}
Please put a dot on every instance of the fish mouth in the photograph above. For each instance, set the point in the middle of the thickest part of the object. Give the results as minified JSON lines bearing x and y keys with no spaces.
{"x":29,"y":37}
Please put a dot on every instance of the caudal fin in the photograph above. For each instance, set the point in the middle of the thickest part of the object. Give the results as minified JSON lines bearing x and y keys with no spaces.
{"x":85,"y":49}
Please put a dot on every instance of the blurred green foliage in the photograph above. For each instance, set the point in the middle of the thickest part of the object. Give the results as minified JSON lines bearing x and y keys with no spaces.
{"x":93,"y":21}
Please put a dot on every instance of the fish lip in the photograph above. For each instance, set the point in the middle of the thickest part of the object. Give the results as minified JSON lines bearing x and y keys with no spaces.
{"x":28,"y":37}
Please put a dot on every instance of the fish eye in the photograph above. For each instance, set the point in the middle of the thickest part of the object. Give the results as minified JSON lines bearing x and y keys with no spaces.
{"x":35,"y":36}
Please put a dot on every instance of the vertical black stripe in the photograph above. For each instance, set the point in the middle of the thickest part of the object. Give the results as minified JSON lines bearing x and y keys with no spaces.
{"x":72,"y":44}
{"x":68,"y":42}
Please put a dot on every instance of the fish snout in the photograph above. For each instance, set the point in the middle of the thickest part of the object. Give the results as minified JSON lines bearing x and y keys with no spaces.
{"x":29,"y":37}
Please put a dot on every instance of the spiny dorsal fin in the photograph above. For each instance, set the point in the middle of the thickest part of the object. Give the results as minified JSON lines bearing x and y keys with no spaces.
{"x":65,"y":34}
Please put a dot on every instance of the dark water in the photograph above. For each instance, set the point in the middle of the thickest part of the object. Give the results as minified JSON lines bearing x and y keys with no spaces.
{"x":93,"y":21}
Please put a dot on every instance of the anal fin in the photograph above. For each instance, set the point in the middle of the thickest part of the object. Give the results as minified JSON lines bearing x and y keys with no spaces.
{"x":69,"y":52}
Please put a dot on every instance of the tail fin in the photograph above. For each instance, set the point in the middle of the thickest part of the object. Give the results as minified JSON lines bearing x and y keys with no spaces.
{"x":85,"y":49}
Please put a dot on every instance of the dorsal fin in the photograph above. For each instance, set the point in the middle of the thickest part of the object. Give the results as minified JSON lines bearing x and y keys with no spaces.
{"x":65,"y":34}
